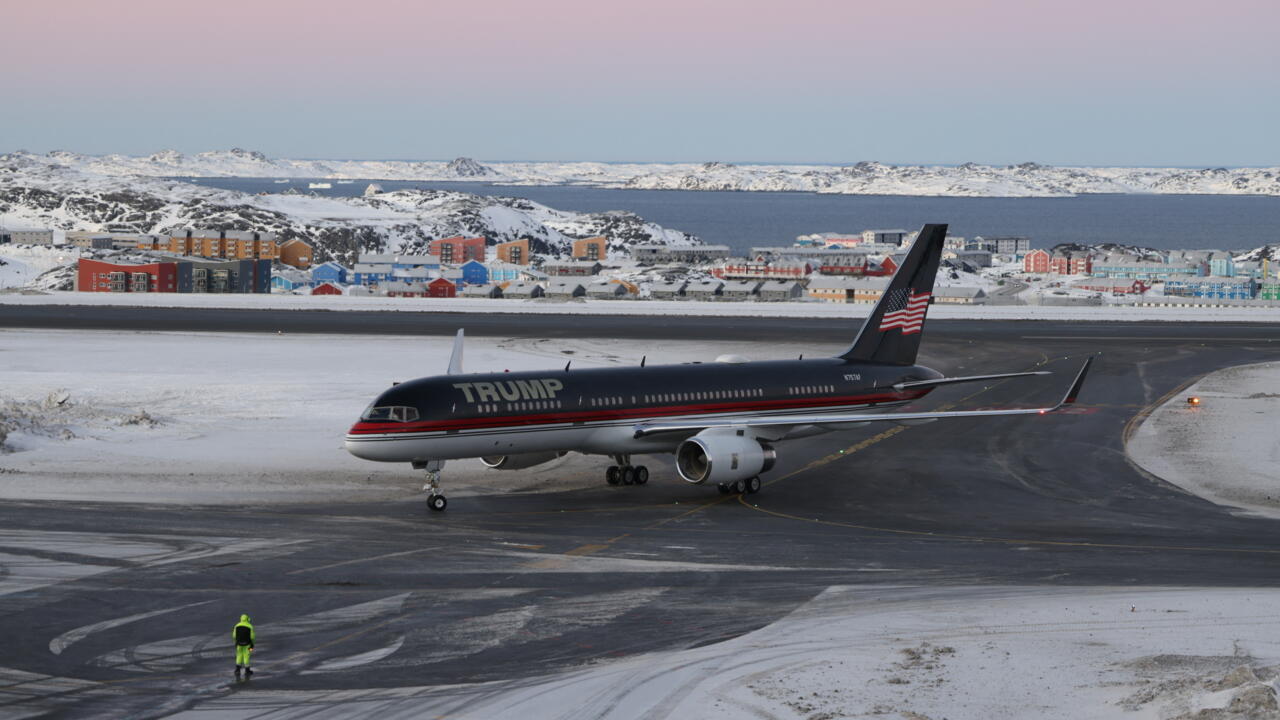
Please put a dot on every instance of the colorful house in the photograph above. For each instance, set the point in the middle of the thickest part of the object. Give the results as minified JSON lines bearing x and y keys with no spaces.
{"x":442,"y":288}
{"x":330,"y":272}
{"x":295,"y":252}
{"x":501,"y":272}
{"x":1036,"y":261}
{"x":1212,"y":287}
{"x":99,"y":276}
{"x":288,"y":280}
{"x":590,"y":249}
{"x":515,"y":252}
{"x":327,"y":288}
{"x":474,"y":272}
{"x":457,"y":250}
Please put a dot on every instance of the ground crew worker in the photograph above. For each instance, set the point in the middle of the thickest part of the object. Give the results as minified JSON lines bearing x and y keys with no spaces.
{"x":243,"y":636}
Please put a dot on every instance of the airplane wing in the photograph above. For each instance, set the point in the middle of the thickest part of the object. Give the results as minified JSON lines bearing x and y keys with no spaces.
{"x":971,"y":378}
{"x":653,"y":428}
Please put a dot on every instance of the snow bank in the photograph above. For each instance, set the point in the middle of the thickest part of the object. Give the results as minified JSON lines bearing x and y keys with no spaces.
{"x":643,"y":307}
{"x":1225,"y":449}
{"x":955,"y":653}
{"x":21,"y":264}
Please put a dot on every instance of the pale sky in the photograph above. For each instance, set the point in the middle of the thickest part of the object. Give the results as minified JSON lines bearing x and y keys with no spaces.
{"x":1089,"y":82}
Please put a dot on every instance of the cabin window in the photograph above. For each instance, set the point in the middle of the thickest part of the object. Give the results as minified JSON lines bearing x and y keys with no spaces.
{"x":390,"y":413}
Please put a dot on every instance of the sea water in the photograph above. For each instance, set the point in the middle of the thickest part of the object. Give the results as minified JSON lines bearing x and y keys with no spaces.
{"x":745,"y":219}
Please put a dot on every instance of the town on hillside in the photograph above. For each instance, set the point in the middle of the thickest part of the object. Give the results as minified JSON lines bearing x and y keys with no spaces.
{"x":822,"y":267}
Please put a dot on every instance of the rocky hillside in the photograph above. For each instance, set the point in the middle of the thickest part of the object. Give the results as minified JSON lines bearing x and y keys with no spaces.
{"x":864,"y":178}
{"x":37,"y":192}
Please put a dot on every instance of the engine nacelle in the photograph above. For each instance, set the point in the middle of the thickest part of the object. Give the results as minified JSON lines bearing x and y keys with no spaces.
{"x":723,"y":455}
{"x":518,"y":462}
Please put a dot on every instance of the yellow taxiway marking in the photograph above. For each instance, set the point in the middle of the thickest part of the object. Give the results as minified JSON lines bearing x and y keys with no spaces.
{"x":586,"y":549}
{"x":363,"y":559}
{"x":555,"y":562}
{"x":1129,"y":428}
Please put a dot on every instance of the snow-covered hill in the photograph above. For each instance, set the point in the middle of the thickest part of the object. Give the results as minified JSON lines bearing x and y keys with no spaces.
{"x":37,"y":193}
{"x":864,"y":178}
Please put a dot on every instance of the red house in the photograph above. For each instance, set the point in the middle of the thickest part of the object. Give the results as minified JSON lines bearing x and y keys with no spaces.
{"x":326,"y":288}
{"x":1036,"y":261}
{"x":458,"y":250}
{"x":99,"y":276}
{"x":1076,"y":263}
{"x":441,"y":288}
{"x":887,"y":268}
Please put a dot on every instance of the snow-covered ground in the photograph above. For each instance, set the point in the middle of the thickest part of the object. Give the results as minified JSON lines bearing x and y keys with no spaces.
{"x":854,"y":312}
{"x":960,"y":653}
{"x":865,"y":178}
{"x":21,"y":264}
{"x":227,"y":418}
{"x":160,"y":417}
{"x":1227,"y":449}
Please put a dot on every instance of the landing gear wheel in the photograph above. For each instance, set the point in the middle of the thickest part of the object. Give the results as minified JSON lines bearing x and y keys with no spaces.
{"x":740,"y":486}
{"x":724,"y":489}
{"x":628,"y":475}
{"x":611,"y":475}
{"x":641,"y":474}
{"x":437,"y":502}
{"x":753,"y":485}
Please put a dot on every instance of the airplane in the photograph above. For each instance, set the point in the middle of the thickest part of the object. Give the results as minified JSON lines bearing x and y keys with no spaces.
{"x":723,"y":420}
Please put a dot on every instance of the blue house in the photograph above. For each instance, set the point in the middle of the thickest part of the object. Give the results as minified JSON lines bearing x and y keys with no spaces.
{"x":288,"y":280}
{"x":1219,"y":288}
{"x":372,"y":274}
{"x":474,"y":272}
{"x":1221,"y":264}
{"x":500,"y":272}
{"x":330,"y":272}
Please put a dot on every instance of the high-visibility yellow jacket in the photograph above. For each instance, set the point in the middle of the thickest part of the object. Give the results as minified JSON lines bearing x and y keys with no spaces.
{"x":243,"y":633}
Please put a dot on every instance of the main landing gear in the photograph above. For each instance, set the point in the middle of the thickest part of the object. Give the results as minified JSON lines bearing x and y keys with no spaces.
{"x":624,"y":473}
{"x":750,"y":486}
{"x":435,"y":498}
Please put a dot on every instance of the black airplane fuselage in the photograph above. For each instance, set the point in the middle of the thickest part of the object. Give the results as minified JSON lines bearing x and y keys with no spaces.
{"x":593,"y":410}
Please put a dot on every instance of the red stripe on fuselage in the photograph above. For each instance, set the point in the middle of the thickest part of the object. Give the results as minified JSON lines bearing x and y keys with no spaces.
{"x":553,"y":418}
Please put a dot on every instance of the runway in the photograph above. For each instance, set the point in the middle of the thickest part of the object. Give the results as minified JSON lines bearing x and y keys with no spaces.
{"x":116,"y":610}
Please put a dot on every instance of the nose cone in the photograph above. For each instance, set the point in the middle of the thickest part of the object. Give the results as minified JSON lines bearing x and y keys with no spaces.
{"x":358,"y":448}
{"x":359,"y":444}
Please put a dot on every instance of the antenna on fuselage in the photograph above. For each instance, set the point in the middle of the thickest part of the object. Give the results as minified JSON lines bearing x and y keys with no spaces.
{"x":455,"y":359}
{"x":642,"y":359}
{"x":566,"y":366}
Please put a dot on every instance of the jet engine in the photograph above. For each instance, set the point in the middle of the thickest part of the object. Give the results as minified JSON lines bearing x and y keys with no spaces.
{"x":518,"y":462}
{"x":722,"y":455}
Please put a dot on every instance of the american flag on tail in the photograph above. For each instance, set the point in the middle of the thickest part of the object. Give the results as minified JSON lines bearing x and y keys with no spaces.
{"x":905,"y":309}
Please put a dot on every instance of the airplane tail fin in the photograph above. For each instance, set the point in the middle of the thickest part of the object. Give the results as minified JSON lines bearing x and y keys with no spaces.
{"x":892,"y":331}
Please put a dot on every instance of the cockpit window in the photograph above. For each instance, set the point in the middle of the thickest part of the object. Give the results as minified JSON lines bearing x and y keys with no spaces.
{"x":393,"y":413}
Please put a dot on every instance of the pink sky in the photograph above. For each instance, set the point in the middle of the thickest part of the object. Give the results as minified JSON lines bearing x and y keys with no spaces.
{"x":586,"y":55}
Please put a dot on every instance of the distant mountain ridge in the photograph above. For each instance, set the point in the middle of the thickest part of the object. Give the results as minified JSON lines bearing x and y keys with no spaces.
{"x":863,"y":178}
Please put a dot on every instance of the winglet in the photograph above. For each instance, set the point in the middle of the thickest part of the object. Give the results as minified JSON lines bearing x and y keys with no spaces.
{"x":455,"y":360}
{"x":1076,"y":384}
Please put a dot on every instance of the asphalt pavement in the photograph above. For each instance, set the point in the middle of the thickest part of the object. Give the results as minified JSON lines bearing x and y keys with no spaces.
{"x":126,"y":610}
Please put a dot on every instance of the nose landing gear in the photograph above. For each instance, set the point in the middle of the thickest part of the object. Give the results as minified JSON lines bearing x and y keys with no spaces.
{"x":435,"y":499}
